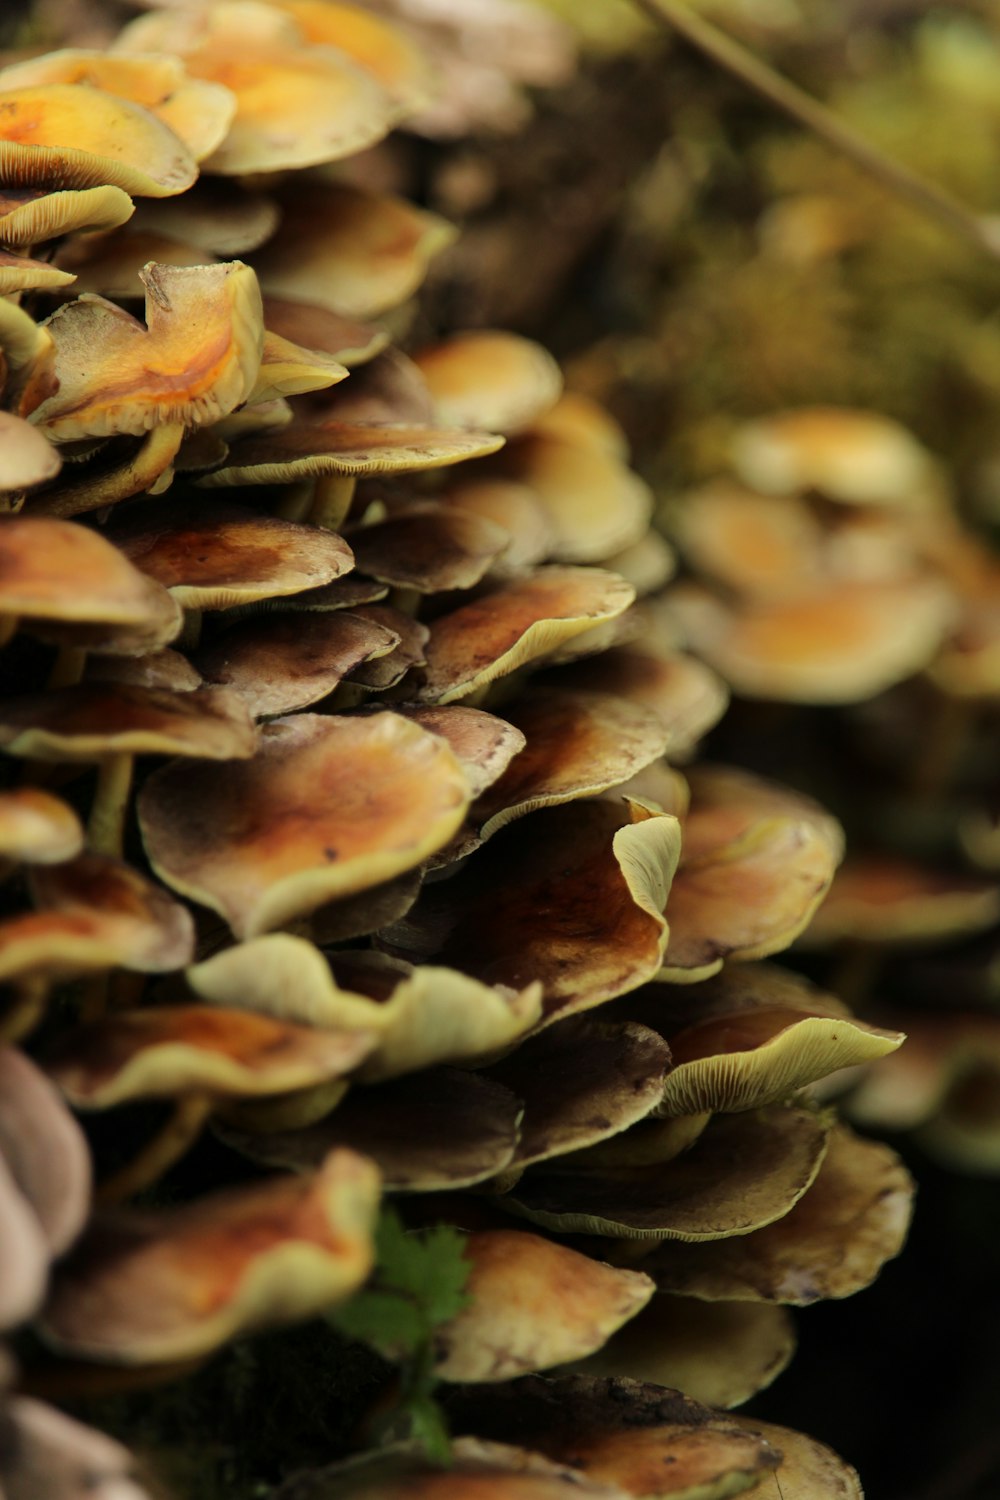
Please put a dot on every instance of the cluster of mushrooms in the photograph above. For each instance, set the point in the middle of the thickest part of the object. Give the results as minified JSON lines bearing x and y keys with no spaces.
{"x":405,"y":894}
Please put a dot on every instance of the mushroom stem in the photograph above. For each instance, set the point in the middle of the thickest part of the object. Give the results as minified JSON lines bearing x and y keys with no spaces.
{"x":190,"y":636}
{"x":296,"y":501}
{"x":32,"y":994}
{"x":67,"y":669}
{"x":106,"y":826}
{"x":346,"y":695}
{"x":138,"y":476}
{"x":331,"y":500}
{"x":722,"y":49}
{"x":8,"y":628}
{"x":166,"y":1147}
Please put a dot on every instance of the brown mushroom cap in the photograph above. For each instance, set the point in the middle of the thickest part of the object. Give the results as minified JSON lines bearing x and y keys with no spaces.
{"x":170,"y":1050}
{"x":551,"y":1303}
{"x":687,"y":696}
{"x":572,"y":897}
{"x":214,"y":555}
{"x":26,"y":457}
{"x":582,"y":1081}
{"x":57,"y":571}
{"x":422,"y":1016}
{"x":490,"y":379}
{"x":94,"y":719}
{"x":721,"y":1353}
{"x":353,"y":252}
{"x":160,"y":669}
{"x":832,"y":1243}
{"x":346,"y":339}
{"x":112,"y":265}
{"x":438,"y":1129}
{"x":37,"y":827}
{"x":296,"y":105}
{"x":117,"y":375}
{"x":882,"y":899}
{"x":82,"y":137}
{"x":327,"y":807}
{"x":578,"y":744}
{"x":125,"y":909}
{"x":384,"y":672}
{"x":654,"y":1443}
{"x":283,"y":662}
{"x":857,"y":457}
{"x":289,"y":369}
{"x":224,"y":218}
{"x":483,"y":744}
{"x":838,"y":645}
{"x":578,"y":419}
{"x":491,"y":636}
{"x":744,"y":1171}
{"x":430,"y":548}
{"x":24,"y":1254}
{"x":157,"y":1285}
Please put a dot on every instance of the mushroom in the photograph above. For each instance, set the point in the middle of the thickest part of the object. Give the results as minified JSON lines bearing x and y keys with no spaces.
{"x":152,"y":1286}
{"x":111,"y":724}
{"x":45,"y":1452}
{"x":422,"y":1016}
{"x":652,"y":1442}
{"x":721,"y":1353}
{"x":380,"y":795}
{"x":430,"y":548}
{"x":808,"y":1471}
{"x":33,"y":215}
{"x":832,"y":1243}
{"x":490,"y":379}
{"x":552,"y":1304}
{"x":198,"y":1056}
{"x":742,"y":1172}
{"x":36,"y":828}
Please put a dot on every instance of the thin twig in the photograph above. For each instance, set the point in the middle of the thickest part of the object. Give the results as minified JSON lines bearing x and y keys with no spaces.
{"x":981,"y":229}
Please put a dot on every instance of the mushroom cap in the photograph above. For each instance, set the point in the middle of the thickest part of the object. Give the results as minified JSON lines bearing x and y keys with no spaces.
{"x":297,"y":105}
{"x":551,"y":1303}
{"x":578,"y":744}
{"x":117,"y":375}
{"x":688,"y":697}
{"x":438,"y":1129}
{"x":516,"y":509}
{"x":483,"y":744}
{"x":19,"y":273}
{"x":32,"y":215}
{"x":808,"y":1470}
{"x":59,"y":571}
{"x":582,"y":1081}
{"x":885,"y":899}
{"x":158,"y":1285}
{"x":350,"y":251}
{"x":857,"y":457}
{"x":166,"y":1051}
{"x":841,"y":644}
{"x":24,"y":1254}
{"x":81,"y":137}
{"x":44,"y":1151}
{"x":47,"y":1453}
{"x":385,"y":51}
{"x":282,"y":662}
{"x":430,"y":547}
{"x":572,"y":897}
{"x":832,"y":1243}
{"x":199,"y":113}
{"x":289,"y":369}
{"x":92,"y":720}
{"x":37,"y":827}
{"x":314,"y":327}
{"x":215,"y":555}
{"x":493,"y":635}
{"x":490,"y":379}
{"x":743,"y":1171}
{"x":421,"y":1015}
{"x":579,"y":419}
{"x":721,"y":1353}
{"x":27,"y":457}
{"x":654,"y":1443}
{"x":125,"y":910}
{"x":310,"y":449}
{"x":384,"y":672}
{"x":223,"y":218}
{"x":327,"y":807}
